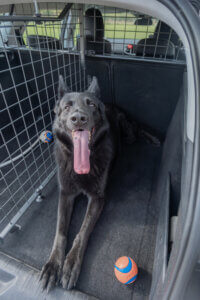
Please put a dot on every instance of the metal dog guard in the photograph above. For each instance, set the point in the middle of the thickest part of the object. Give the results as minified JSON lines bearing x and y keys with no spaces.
{"x":23,"y":180}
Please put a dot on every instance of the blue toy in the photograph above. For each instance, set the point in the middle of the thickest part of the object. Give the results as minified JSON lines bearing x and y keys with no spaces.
{"x":46,"y":136}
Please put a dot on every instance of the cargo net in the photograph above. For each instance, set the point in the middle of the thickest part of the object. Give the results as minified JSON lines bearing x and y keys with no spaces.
{"x":32,"y":56}
{"x":120,"y":32}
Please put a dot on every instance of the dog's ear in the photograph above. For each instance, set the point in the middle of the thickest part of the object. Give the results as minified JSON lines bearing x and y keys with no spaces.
{"x":56,"y":108}
{"x":62,"y":88}
{"x":94,"y":87}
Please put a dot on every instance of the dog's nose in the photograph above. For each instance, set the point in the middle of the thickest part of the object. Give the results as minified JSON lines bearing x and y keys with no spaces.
{"x":79,"y":119}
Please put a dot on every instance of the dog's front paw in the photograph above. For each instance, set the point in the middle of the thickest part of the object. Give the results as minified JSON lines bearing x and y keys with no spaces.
{"x":50,"y":274}
{"x":71,"y":269}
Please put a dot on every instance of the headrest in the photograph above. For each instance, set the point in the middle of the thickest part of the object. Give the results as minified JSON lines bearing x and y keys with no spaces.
{"x":43,"y":42}
{"x":152,"y":47}
{"x":164,"y":32}
{"x":94,"y":27}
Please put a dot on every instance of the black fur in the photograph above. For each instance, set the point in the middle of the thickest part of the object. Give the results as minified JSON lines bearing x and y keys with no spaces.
{"x":109,"y":124}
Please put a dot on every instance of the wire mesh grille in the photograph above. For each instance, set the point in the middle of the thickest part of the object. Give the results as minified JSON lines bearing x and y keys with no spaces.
{"x":31,"y":59}
{"x":120,"y":32}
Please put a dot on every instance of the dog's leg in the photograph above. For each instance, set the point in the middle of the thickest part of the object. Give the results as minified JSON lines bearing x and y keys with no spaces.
{"x":73,"y":261}
{"x":51,"y":271}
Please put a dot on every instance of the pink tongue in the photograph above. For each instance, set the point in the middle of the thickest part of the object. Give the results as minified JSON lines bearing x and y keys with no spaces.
{"x":81,"y":152}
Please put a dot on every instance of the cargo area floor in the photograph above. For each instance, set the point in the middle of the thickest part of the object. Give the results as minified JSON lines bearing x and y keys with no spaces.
{"x":127,"y":226}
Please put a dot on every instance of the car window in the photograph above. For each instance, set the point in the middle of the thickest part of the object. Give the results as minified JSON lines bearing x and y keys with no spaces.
{"x":114,"y":31}
{"x":124,"y":27}
{"x":44,"y":31}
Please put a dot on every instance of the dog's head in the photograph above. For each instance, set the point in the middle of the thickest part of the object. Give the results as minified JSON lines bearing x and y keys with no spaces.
{"x":79,"y":111}
{"x":80,"y":116}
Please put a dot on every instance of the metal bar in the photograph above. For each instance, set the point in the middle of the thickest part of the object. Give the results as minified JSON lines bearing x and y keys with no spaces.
{"x":168,"y":43}
{"x":157,"y":40}
{"x":65,"y":11}
{"x":37,"y":14}
{"x":82,"y":42}
{"x":141,"y":58}
{"x":27,"y":19}
{"x":12,"y":7}
{"x":22,"y":210}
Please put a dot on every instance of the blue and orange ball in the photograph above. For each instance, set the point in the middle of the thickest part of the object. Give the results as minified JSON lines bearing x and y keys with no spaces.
{"x":126,"y":270}
{"x":46,"y":136}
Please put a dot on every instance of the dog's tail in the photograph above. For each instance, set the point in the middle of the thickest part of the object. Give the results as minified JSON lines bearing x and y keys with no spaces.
{"x":128,"y":129}
{"x":131,"y":131}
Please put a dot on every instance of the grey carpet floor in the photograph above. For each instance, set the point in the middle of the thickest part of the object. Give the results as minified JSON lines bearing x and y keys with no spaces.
{"x":127,"y":226}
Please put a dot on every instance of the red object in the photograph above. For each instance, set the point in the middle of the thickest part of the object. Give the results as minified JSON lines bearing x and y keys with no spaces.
{"x":130,"y":46}
{"x":126,"y":270}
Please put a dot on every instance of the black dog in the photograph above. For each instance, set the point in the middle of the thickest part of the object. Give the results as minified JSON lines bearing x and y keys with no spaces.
{"x":87,"y":140}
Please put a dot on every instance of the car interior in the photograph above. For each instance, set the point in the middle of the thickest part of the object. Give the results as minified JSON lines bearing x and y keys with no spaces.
{"x":140,"y":64}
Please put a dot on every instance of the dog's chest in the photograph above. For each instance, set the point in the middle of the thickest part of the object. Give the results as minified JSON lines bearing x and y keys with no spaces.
{"x":92,"y":183}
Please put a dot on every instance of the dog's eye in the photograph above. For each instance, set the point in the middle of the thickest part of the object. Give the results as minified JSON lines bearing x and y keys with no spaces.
{"x":92,"y":104}
{"x":67,"y":107}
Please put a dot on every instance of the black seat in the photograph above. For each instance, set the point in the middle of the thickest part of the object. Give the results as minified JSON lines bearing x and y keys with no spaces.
{"x":165,"y":43}
{"x":153,"y":47}
{"x":43,"y":42}
{"x":164,"y":32}
{"x":94,"y":33}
